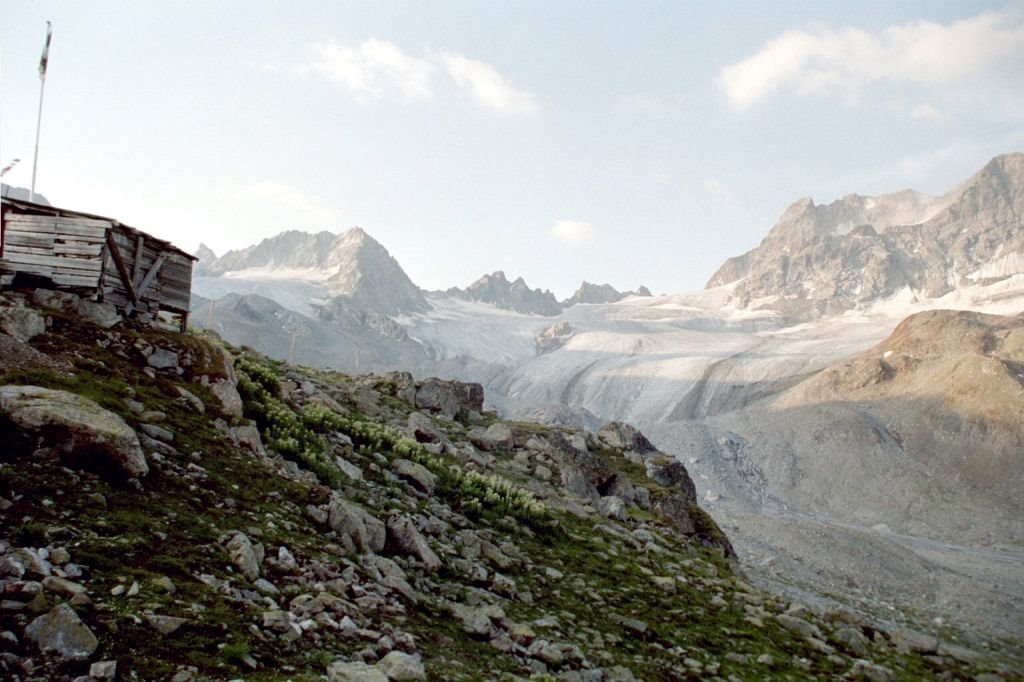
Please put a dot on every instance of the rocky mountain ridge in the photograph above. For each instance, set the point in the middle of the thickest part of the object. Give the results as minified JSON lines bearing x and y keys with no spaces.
{"x":826,"y":259}
{"x":352,"y":266}
{"x":178,"y":509}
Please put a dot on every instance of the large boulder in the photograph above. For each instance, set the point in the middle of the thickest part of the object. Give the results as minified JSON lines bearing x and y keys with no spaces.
{"x":400,"y":385}
{"x":497,"y":437}
{"x":669,"y":472}
{"x":245,"y":554}
{"x":22,"y":323}
{"x":101,"y":314}
{"x":437,"y":395}
{"x":354,"y":671}
{"x":624,"y":437}
{"x":582,"y":472}
{"x":446,"y":397}
{"x":366,"y":531}
{"x":416,"y":475}
{"x":86,"y":434}
{"x":405,"y":539}
{"x":63,"y":633}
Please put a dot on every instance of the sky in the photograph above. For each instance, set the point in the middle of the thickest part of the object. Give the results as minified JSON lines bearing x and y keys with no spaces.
{"x":622,"y":142}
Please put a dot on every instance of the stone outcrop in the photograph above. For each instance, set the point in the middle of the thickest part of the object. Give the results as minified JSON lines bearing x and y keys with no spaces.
{"x":62,"y":632}
{"x":85,"y":433}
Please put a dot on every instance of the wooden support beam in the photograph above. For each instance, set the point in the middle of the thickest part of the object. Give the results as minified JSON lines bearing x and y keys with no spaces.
{"x":137,"y":264}
{"x":140,"y":287}
{"x":122,"y":270}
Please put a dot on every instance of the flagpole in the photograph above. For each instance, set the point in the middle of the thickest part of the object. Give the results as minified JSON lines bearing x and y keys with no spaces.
{"x":39,"y":118}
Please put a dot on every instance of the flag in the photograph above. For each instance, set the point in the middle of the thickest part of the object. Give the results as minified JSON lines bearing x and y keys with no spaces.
{"x":46,"y":52}
{"x":12,"y":164}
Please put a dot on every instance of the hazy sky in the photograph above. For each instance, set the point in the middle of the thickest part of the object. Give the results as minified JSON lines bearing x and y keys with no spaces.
{"x":622,"y":142}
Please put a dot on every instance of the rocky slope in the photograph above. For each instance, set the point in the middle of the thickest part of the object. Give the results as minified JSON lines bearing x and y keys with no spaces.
{"x":826,"y":259}
{"x":177,"y":509}
{"x":904,"y":460}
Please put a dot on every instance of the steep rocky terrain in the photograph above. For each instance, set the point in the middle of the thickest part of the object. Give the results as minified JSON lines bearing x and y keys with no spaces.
{"x":904,"y":461}
{"x":173,"y":508}
{"x":826,"y":259}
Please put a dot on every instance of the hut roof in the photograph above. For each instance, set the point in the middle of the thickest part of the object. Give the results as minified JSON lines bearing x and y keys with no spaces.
{"x":45,"y":209}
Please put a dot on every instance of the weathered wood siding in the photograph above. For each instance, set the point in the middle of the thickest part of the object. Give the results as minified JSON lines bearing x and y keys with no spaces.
{"x":145,"y":273}
{"x":65,"y":249}
{"x":168,"y":289}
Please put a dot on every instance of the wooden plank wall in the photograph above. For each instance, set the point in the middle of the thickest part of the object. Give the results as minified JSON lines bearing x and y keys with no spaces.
{"x":73,"y":252}
{"x":169,"y":290}
{"x":65,"y":249}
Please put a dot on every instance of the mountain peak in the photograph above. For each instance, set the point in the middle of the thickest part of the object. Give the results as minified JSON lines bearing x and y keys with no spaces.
{"x":517,"y":295}
{"x":858,"y":249}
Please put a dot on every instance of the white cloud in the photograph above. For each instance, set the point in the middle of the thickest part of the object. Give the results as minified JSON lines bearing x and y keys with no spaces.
{"x":821,"y":60}
{"x":378,"y":68}
{"x":488,"y":87}
{"x":572,"y":231}
{"x":926,"y":112}
{"x":374,"y":68}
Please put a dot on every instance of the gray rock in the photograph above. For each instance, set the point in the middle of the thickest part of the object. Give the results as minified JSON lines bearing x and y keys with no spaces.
{"x":103,"y":315}
{"x":23,"y":324}
{"x":798,"y":626}
{"x":165,"y":625}
{"x":157,"y":432}
{"x":624,"y":437}
{"x":446,"y":397}
{"x":577,"y":466}
{"x":853,"y":640}
{"x":366,"y":531}
{"x":401,"y":385}
{"x":872,"y":672}
{"x":103,"y":670}
{"x":542,"y":473}
{"x":354,"y":671}
{"x":86,"y":433}
{"x":416,"y":475}
{"x":192,"y":400}
{"x":676,"y":510}
{"x":479,"y":622}
{"x":497,"y":438}
{"x":400,"y":666}
{"x":436,"y":395}
{"x":163,"y":358}
{"x":226,"y":392}
{"x":405,"y":539}
{"x":669,"y":472}
{"x":613,"y":507}
{"x":246,"y":555}
{"x":63,"y":633}
{"x":422,"y":429}
{"x":353,"y":472}
{"x":249,"y":437}
{"x":62,"y":586}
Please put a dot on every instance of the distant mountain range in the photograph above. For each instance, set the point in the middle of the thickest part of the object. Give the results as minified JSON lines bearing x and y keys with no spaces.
{"x":356,"y":267}
{"x":878,"y":468}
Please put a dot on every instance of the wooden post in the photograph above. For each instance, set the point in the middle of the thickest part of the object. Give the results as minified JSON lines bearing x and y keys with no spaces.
{"x":291,"y":349}
{"x":122,"y":270}
{"x":137,"y":265}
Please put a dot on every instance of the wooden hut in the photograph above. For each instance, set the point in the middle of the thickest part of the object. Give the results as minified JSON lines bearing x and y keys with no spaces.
{"x":96,"y":256}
